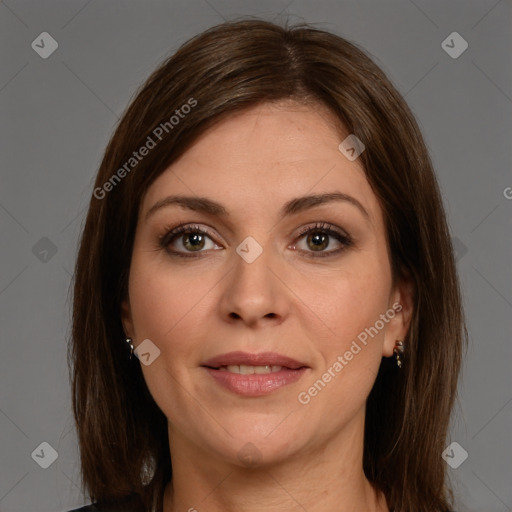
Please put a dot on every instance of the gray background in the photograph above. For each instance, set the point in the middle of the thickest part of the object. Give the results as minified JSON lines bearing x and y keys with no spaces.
{"x":56,"y":117}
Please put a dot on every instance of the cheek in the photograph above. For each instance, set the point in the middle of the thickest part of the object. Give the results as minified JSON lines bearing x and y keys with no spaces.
{"x":164,"y":304}
{"x":350,"y":310}
{"x":161,"y":297}
{"x":347,"y":301}
{"x":346,"y":371}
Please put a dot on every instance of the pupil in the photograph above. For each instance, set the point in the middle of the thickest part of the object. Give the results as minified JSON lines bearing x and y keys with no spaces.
{"x":319,"y":237}
{"x":196,"y":243}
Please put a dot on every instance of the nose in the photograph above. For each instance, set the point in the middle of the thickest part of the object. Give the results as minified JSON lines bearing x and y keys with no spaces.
{"x":254,"y":292}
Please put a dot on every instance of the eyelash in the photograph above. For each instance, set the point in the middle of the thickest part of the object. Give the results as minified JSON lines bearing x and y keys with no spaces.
{"x":320,"y":227}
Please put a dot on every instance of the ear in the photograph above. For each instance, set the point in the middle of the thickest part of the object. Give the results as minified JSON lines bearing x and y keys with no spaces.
{"x":126,"y":318}
{"x":402,"y":304}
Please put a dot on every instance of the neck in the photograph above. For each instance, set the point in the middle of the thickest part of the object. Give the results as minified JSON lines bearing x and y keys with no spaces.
{"x":327,"y":478}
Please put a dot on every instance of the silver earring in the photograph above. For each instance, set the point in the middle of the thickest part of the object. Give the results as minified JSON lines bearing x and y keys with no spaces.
{"x":399,"y":351}
{"x":129,"y":341}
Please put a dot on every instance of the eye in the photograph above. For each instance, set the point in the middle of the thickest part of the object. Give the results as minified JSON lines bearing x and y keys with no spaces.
{"x":185,"y":240}
{"x":191,"y":238}
{"x":318,"y":237}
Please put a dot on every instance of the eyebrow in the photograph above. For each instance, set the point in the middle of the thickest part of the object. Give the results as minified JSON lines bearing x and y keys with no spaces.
{"x":294,"y":206}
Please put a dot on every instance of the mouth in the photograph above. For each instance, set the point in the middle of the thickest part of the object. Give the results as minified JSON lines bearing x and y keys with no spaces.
{"x":254,"y":374}
{"x":270,"y":361}
{"x":244,"y":369}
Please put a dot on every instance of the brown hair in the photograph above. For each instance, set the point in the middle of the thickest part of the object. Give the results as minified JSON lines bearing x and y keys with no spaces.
{"x":219,"y":72}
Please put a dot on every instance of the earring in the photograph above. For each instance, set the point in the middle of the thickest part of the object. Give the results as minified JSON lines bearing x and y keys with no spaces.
{"x":399,"y":351}
{"x":129,"y":341}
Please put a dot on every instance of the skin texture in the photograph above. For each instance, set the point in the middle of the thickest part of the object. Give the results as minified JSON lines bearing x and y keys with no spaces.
{"x":304,"y":307}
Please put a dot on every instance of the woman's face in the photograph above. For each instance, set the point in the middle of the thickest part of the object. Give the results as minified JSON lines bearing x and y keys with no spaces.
{"x":258,"y":283}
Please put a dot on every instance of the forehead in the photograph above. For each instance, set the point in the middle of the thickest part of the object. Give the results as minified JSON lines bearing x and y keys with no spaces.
{"x":264,"y":156}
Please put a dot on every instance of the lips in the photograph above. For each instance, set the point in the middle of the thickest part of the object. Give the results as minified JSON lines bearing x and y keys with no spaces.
{"x":247,"y":359}
{"x":254,"y":375}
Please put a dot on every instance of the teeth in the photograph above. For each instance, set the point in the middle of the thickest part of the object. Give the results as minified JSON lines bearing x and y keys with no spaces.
{"x":244,"y":369}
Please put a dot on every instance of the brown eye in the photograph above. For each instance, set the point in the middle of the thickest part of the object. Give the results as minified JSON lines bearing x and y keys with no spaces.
{"x":193,"y":241}
{"x":186,"y":239}
{"x":318,"y":238}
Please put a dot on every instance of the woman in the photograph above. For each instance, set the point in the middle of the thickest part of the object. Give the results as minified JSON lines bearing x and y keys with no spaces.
{"x":266,"y":309}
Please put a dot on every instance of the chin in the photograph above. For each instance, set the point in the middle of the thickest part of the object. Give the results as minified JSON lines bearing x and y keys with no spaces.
{"x":257,"y":445}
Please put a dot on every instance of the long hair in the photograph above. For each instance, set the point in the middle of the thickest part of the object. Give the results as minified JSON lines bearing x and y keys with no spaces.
{"x":224,"y":70}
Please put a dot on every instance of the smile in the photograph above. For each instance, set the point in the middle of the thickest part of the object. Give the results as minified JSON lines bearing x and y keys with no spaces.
{"x":249,"y":370}
{"x":254,"y":375}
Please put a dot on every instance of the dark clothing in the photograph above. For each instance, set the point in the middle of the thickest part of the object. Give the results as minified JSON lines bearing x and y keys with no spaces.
{"x":92,"y":508}
{"x":87,"y":508}
{"x":105,"y":508}
{"x":129,"y":504}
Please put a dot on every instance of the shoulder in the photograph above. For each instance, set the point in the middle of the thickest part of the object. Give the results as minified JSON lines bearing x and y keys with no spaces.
{"x":86,"y":508}
{"x":98,"y":507}
{"x":131,"y":504}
